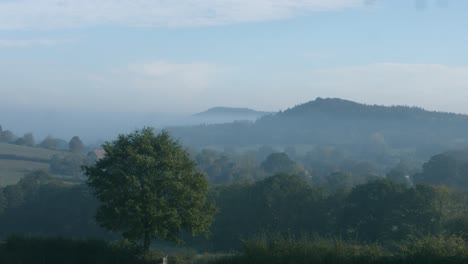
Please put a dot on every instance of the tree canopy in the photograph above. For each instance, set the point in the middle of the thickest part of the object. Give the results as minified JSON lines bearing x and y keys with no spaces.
{"x":149,"y":189}
{"x":76,"y":145}
{"x":278,"y":163}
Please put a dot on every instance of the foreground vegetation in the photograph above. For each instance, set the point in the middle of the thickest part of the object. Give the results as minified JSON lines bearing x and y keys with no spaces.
{"x":431,"y":249}
{"x":53,"y":250}
{"x":265,"y":249}
{"x":65,"y":251}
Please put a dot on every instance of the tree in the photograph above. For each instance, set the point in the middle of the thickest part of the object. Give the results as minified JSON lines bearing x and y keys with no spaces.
{"x":399,"y":177}
{"x":76,"y":145}
{"x":442,"y":169}
{"x":26,"y":188}
{"x":29,"y":139}
{"x":13,"y":196}
{"x":281,"y":204}
{"x":26,"y":140}
{"x":148,"y":188}
{"x":6,"y":136}
{"x":369,"y":210}
{"x":50,"y":143}
{"x":279,"y":163}
{"x":68,"y":165}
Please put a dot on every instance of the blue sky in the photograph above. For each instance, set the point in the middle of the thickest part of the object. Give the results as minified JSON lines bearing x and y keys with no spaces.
{"x":186,"y":56}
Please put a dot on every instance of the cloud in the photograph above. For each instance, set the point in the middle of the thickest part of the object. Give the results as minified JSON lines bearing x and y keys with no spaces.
{"x":174,"y":86}
{"x":146,"y":86}
{"x":191,"y":86}
{"x":23,"y":43}
{"x":47,"y":14}
{"x":189,"y":77}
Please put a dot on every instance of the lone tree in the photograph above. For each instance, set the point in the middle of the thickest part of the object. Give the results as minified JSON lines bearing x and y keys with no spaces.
{"x":149,"y":189}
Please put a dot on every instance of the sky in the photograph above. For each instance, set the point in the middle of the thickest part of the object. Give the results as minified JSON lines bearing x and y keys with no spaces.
{"x":182,"y":56}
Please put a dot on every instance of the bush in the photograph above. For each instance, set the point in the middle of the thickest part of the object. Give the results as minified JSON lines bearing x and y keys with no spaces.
{"x":64,"y":251}
{"x":458,"y":226}
{"x":435,"y":249}
{"x":291,"y":250}
{"x":439,"y":249}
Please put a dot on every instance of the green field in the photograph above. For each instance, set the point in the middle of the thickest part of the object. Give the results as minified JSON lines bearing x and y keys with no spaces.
{"x":11,"y":171}
{"x":29,"y":152}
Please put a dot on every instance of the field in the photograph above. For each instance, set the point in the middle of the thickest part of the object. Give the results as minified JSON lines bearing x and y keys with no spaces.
{"x":11,"y":170}
{"x":29,"y":152}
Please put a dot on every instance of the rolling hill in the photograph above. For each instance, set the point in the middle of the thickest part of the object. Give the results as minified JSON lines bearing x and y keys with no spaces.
{"x":227,"y":114}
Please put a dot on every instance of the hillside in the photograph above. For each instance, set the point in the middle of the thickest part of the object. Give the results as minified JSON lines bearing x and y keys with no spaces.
{"x":333,"y":121}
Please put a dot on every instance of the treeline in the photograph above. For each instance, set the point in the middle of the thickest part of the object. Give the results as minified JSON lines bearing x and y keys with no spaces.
{"x":376,"y":209}
{"x":42,"y":205}
{"x":328,"y":166}
{"x":68,"y":164}
{"x":74,"y":145}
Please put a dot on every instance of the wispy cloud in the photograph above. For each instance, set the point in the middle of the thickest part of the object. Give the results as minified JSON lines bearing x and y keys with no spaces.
{"x":142,"y":86}
{"x":46,"y":14}
{"x":23,"y":43}
{"x":186,"y":77}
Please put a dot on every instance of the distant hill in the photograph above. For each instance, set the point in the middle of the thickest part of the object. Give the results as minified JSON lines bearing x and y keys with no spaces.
{"x":334,"y":121}
{"x":232,"y":111}
{"x":217,"y":115}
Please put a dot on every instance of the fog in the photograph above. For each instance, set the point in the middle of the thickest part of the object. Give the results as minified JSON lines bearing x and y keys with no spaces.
{"x":233,"y":131}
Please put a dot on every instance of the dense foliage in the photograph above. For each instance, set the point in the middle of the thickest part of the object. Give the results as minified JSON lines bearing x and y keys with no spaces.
{"x":149,"y":189}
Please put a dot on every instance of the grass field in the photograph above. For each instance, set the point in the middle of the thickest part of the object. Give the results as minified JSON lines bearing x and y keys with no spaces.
{"x":29,"y":152}
{"x":11,"y":170}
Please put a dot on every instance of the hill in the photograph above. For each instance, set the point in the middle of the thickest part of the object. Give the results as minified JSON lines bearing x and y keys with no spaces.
{"x":217,"y":115}
{"x":344,"y":108}
{"x":338,"y":122}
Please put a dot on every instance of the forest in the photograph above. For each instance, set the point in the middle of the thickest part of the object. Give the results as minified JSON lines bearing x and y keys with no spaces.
{"x":301,"y":193}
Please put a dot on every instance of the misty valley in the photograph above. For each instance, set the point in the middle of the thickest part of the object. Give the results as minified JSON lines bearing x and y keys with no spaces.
{"x":327,"y":181}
